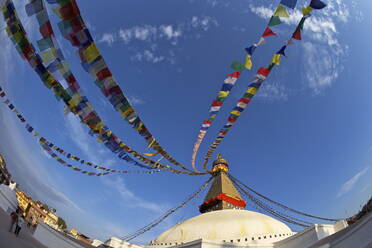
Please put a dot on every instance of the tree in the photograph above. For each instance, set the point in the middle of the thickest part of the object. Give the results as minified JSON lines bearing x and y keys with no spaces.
{"x":61,"y":223}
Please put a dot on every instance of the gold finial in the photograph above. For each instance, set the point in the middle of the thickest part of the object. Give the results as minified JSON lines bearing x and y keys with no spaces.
{"x":220,"y":164}
{"x":220,"y":160}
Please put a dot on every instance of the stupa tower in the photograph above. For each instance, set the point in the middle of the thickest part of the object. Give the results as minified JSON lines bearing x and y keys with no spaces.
{"x":222,"y":194}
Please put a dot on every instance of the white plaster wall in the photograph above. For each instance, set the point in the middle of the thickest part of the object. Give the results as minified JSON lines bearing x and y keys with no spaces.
{"x":302,"y":239}
{"x":53,"y":239}
{"x":118,"y":243}
{"x":8,"y":200}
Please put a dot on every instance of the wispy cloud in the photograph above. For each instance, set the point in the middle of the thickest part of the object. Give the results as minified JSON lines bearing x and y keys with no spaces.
{"x":107,"y":38}
{"x":273,"y":91}
{"x":147,"y":56}
{"x":135,"y":100}
{"x":150,"y":36}
{"x":349,"y":184}
{"x":324,"y":51}
{"x":128,"y":198}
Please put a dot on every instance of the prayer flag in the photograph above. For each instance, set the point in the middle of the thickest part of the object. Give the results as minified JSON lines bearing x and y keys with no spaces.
{"x":45,"y":43}
{"x":34,"y":7}
{"x":317,"y":4}
{"x":281,"y":12}
{"x":289,"y":3}
{"x":276,"y":59}
{"x":248,"y":62}
{"x":261,"y":41}
{"x":275,"y":20}
{"x":306,"y":11}
{"x":89,"y":53}
{"x":263,"y":71}
{"x":237,"y":66}
{"x":250,"y":50}
{"x":268,"y":32}
{"x":282,"y":50}
{"x":297,"y":34}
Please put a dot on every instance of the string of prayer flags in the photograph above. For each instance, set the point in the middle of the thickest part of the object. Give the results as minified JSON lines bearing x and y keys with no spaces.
{"x":74,"y":29}
{"x":237,"y":67}
{"x":252,"y":89}
{"x":82,"y":109}
{"x":226,"y":88}
{"x":64,"y":163}
{"x":44,"y":141}
{"x":289,"y":3}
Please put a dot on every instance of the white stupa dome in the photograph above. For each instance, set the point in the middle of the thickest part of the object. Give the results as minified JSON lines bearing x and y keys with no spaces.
{"x":237,"y":226}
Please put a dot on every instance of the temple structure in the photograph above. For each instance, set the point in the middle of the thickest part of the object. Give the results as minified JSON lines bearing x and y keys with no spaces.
{"x":224,"y":222}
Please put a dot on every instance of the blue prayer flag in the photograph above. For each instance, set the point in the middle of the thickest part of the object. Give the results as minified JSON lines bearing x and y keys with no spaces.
{"x":289,"y":3}
{"x":317,"y":4}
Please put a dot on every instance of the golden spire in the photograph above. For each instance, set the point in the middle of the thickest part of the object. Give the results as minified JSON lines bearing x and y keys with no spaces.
{"x":222,"y":193}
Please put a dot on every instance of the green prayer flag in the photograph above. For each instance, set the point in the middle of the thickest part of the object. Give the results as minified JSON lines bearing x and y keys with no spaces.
{"x":301,"y":24}
{"x":45,"y":43}
{"x":275,"y":20}
{"x":237,"y":66}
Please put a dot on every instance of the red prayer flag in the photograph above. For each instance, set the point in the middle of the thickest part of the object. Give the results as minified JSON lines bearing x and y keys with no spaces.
{"x":216,"y":103}
{"x":46,"y":30}
{"x":268,"y":32}
{"x":232,"y":120}
{"x":244,"y":100}
{"x":297,"y":34}
{"x":234,"y":74}
{"x":104,"y":73}
{"x":263,"y":71}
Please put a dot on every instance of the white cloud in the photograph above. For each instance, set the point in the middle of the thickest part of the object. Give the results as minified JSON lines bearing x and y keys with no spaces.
{"x":128,"y":198}
{"x":147,"y":56}
{"x":323,"y":51}
{"x":153,"y":35}
{"x":135,"y":100}
{"x":322,"y":67}
{"x":273,"y":91}
{"x":107,"y":38}
{"x":170,"y":32}
{"x":349,"y":184}
{"x":204,"y":22}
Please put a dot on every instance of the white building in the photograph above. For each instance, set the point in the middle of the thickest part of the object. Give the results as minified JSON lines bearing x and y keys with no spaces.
{"x":224,"y":223}
{"x":8,"y":199}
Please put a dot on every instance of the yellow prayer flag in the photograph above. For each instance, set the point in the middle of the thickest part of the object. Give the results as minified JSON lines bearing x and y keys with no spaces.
{"x":235,"y":112}
{"x":276,"y":59}
{"x":36,"y":134}
{"x":252,"y":90}
{"x":307,"y":10}
{"x":223,"y":93}
{"x":17,"y":37}
{"x":281,"y":12}
{"x":91,"y":53}
{"x":151,"y":154}
{"x":248,"y":62}
{"x":49,"y":55}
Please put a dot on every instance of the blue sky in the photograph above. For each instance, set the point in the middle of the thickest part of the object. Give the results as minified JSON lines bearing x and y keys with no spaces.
{"x":305,"y":140}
